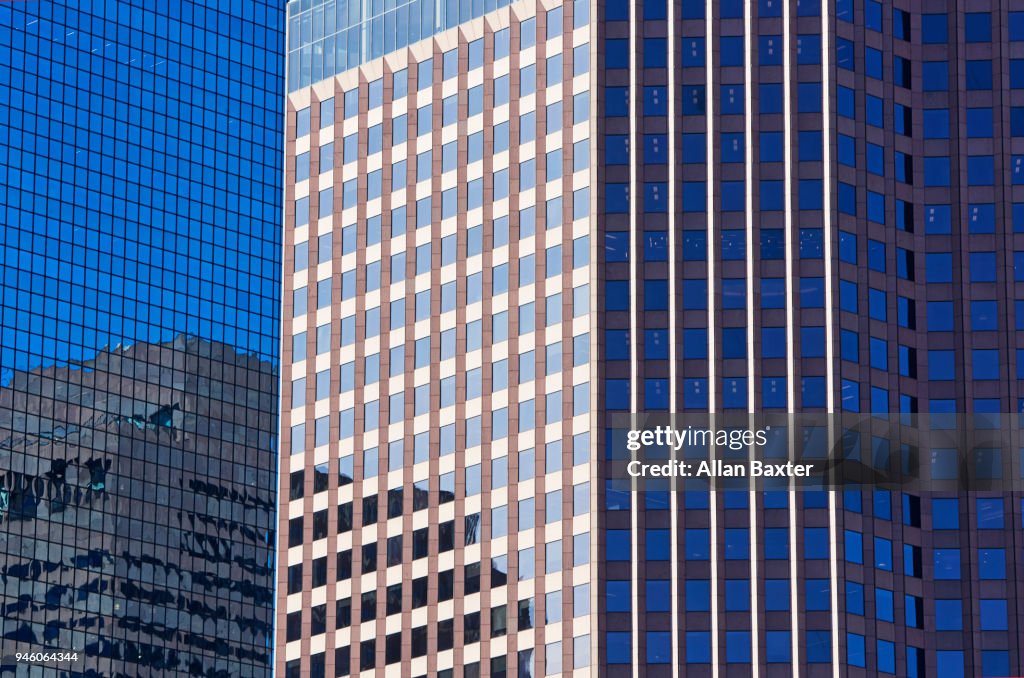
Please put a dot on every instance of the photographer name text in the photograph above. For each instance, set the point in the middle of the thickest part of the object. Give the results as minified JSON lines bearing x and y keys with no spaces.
{"x":718,"y":468}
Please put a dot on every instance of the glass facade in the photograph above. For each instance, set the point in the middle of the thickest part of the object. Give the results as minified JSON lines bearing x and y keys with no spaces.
{"x":327,"y":37}
{"x":139,"y":332}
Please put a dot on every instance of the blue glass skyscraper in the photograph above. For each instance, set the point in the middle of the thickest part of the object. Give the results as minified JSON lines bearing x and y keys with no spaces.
{"x":140,"y":195}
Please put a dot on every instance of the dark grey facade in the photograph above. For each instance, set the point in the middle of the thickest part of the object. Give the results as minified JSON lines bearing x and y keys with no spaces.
{"x":811,"y":207}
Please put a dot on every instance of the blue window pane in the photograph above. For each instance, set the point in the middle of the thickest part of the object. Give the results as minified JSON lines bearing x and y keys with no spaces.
{"x":979,"y":74}
{"x":657,"y":544}
{"x":817,"y":594}
{"x":818,"y":646}
{"x":990,"y":513}
{"x":992,"y":564}
{"x":698,"y":647}
{"x":816,"y":543}
{"x":947,"y":563}
{"x":854,"y":597}
{"x":659,"y":595}
{"x":620,"y":646}
{"x":995,"y":663}
{"x":737,"y":595}
{"x":618,"y":595}
{"x":935,"y":76}
{"x":697,"y":544}
{"x":993,"y":615}
{"x":949,"y":664}
{"x":886,"y":656}
{"x":855,"y":649}
{"x":778,"y":647}
{"x":773,"y":342}
{"x":698,"y":595}
{"x":737,"y":647}
{"x":659,"y":647}
{"x":934,"y":28}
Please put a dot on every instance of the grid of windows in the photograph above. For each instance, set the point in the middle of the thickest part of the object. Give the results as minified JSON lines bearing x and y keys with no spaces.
{"x":924,"y":248}
{"x":453,"y":383}
{"x":139,"y":332}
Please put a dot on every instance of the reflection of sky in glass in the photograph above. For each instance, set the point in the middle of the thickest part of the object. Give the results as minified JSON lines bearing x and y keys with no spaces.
{"x":326,"y":37}
{"x":140,"y":188}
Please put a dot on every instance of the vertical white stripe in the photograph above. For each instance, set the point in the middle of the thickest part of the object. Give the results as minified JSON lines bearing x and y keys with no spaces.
{"x":833,"y":556}
{"x":672,"y":297}
{"x":830,"y":366}
{"x":709,"y":98}
{"x":787,"y":145}
{"x":596,"y":424}
{"x":794,"y":599}
{"x":673,"y":331}
{"x":826,"y":163}
{"x":748,"y":200}
{"x":634,"y":385}
{"x":787,"y":88}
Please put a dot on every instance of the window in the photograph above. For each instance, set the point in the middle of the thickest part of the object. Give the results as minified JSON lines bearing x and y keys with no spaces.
{"x":979,"y":123}
{"x":818,"y":647}
{"x":990,"y":513}
{"x":979,"y":74}
{"x":770,"y":97}
{"x":992,"y":563}
{"x":808,"y":48}
{"x":873,"y":63}
{"x":934,"y":28}
{"x":993,"y":615}
{"x":978,"y":27}
{"x":302,"y":122}
{"x":935,"y":75}
{"x":845,"y":102}
{"x":698,"y":647}
{"x":947,"y":563}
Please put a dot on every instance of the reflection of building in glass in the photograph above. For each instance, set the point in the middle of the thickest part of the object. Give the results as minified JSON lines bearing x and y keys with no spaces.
{"x":435,"y":478}
{"x":137,"y":510}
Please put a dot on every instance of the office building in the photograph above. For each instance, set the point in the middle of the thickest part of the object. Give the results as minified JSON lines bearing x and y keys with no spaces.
{"x":763,"y":206}
{"x":139,"y":332}
{"x":436,"y":515}
{"x":807,"y":210}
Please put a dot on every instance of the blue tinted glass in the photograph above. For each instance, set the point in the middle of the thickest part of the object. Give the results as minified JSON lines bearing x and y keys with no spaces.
{"x":776,"y":592}
{"x":141,"y":251}
{"x":990,"y":513}
{"x":934,"y":28}
{"x":698,"y":595}
{"x":619,"y":647}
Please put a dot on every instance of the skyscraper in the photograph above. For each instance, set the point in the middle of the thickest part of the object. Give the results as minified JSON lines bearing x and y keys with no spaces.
{"x":436,"y":507}
{"x":799,"y":231}
{"x":771,"y":206}
{"x":139,"y":333}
